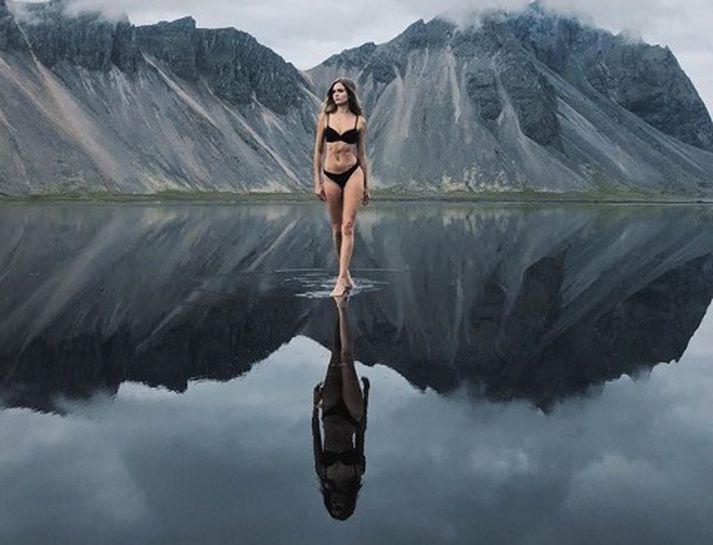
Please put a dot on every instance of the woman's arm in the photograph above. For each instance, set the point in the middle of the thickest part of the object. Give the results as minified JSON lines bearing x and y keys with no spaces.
{"x":361,"y":151}
{"x":363,"y":163}
{"x":317,"y":435}
{"x":317,"y":159}
{"x":361,"y":427}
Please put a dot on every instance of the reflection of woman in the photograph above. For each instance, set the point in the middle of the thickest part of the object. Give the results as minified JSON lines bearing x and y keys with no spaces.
{"x":340,"y":462}
{"x":343,"y":127}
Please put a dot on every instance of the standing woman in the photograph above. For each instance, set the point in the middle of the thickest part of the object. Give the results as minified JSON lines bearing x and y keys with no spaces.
{"x":342,"y":126}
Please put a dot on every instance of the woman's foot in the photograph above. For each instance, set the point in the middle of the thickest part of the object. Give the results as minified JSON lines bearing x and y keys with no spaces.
{"x":341,"y":303}
{"x":341,"y":288}
{"x":350,"y":281}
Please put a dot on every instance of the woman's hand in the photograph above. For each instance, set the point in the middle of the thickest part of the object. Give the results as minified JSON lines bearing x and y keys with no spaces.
{"x":319,"y":191}
{"x":366,"y":197}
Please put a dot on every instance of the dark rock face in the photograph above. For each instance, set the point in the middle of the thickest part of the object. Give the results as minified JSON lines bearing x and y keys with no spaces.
{"x":533,"y":98}
{"x":86,"y":40}
{"x":648,"y":81}
{"x":383,"y":69}
{"x":598,"y":75}
{"x":645,"y":79}
{"x":174,"y":44}
{"x":233,"y":63}
{"x":125,"y":50}
{"x":482,"y":89}
{"x":357,"y":57}
{"x":10,"y":35}
{"x":436,"y":33}
{"x":237,"y":65}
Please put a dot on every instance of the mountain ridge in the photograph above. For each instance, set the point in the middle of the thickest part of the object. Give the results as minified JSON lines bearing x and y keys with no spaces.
{"x":525,"y":101}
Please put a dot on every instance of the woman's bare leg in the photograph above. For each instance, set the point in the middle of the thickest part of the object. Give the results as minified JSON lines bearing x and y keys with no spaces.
{"x":351,"y":197}
{"x":334,"y":205}
{"x":332,"y":387}
{"x":351,"y":390}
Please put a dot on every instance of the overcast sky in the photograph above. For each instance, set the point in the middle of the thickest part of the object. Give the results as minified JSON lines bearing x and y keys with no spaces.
{"x":307,"y":32}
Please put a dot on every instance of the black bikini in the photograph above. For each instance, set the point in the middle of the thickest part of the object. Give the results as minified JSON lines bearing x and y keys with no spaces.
{"x":350,"y":137}
{"x":340,"y":408}
{"x":350,"y":456}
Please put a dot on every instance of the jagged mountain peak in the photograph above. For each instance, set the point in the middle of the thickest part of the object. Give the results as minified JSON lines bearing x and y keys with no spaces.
{"x":352,"y":57}
{"x":183,"y":23}
{"x":635,"y":76}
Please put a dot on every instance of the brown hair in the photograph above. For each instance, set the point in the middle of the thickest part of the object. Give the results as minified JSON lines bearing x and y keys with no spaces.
{"x":329,"y":106}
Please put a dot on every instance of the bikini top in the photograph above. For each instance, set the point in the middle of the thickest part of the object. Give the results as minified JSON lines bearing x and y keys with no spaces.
{"x":350,"y":137}
{"x":348,"y":457}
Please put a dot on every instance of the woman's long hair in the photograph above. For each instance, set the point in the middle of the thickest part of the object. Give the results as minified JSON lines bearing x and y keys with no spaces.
{"x":348,"y":496}
{"x":328,"y":106}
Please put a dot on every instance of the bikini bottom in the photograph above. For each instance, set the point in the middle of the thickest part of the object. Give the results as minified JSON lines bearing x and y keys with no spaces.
{"x":341,"y":178}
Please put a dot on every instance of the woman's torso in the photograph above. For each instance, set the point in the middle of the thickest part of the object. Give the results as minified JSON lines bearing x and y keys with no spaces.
{"x":339,"y":431}
{"x":340,"y":155}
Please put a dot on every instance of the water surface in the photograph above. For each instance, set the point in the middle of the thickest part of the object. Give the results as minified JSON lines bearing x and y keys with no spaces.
{"x":538,"y":374}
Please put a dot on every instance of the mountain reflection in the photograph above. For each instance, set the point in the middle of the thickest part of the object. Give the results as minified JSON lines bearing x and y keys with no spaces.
{"x":340,"y":461}
{"x":516,"y":302}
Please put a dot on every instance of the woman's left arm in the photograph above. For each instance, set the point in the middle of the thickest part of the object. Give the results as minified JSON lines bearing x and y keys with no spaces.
{"x":361,"y":157}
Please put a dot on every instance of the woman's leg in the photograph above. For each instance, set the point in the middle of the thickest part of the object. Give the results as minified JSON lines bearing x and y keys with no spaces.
{"x":334,"y":205}
{"x":351,"y":390}
{"x":332,"y":387}
{"x":351,"y":194}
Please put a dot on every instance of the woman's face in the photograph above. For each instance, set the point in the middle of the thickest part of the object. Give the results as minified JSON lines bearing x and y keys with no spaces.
{"x":339,"y":94}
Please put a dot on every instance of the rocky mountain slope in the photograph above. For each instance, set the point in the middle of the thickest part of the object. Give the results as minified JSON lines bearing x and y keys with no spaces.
{"x":531,"y":101}
{"x":92,"y":105}
{"x":524,"y":101}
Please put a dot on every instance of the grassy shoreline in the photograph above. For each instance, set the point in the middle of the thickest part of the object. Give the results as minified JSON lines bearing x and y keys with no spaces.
{"x":225,"y":197}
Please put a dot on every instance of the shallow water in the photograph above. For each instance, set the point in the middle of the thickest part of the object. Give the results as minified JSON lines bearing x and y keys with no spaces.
{"x":538,"y":374}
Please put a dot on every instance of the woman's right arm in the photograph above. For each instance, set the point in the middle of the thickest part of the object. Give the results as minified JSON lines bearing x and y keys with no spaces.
{"x":361,"y":427}
{"x":317,"y":445}
{"x":317,"y":160}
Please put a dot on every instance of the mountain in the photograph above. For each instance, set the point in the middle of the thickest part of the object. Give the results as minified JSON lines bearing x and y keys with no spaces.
{"x":538,"y":304}
{"x":528,"y":101}
{"x":522,"y":101}
{"x":88,"y":104}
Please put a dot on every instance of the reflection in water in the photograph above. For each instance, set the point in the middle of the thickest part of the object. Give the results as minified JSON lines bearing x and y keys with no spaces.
{"x":145,"y":314}
{"x":534,"y":303}
{"x":340,"y":462}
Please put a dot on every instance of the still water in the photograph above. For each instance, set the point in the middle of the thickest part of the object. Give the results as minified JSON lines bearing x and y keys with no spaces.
{"x":537,"y":375}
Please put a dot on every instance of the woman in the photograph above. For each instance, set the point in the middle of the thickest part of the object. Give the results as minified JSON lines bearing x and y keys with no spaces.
{"x":343,"y":127}
{"x":340,"y":462}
